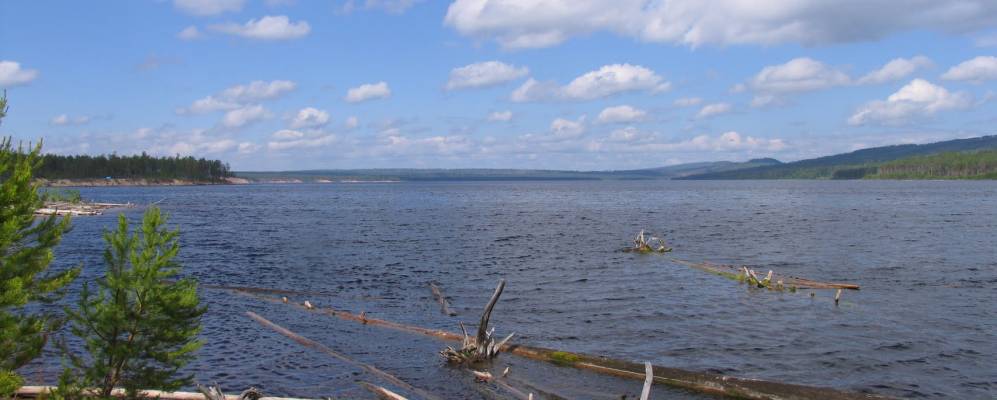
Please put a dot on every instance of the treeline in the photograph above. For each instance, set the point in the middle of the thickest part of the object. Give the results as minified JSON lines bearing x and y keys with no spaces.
{"x":954,"y":165}
{"x":140,"y":166}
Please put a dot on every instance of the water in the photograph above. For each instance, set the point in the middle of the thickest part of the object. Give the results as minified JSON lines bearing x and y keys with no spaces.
{"x":925,"y":253}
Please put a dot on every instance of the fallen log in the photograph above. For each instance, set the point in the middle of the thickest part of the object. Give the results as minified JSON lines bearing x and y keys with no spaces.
{"x":320,"y":347}
{"x":444,"y":305}
{"x":380,"y":392}
{"x":704,"y":382}
{"x":742,"y":273}
{"x":38,"y":392}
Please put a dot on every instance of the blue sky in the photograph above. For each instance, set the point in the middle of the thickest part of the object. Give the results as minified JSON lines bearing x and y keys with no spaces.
{"x":583,"y":84}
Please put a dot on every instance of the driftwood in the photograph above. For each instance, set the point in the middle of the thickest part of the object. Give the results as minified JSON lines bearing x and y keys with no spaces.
{"x":648,"y":380}
{"x":214,"y":392}
{"x":502,"y":383}
{"x":37,"y":392}
{"x":744,"y":274}
{"x":78,"y":208}
{"x":320,"y":347}
{"x":380,"y":392}
{"x":483,"y":347}
{"x":697,"y":381}
{"x":444,"y":305}
{"x":642,"y":244}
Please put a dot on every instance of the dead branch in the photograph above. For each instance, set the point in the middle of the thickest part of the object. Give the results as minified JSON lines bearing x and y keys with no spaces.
{"x":380,"y":392}
{"x":444,"y":305}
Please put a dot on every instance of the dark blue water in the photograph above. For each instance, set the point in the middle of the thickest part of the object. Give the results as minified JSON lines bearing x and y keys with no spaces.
{"x":925,"y":253}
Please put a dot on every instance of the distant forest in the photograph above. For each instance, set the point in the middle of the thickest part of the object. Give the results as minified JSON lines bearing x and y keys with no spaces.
{"x":140,"y":166}
{"x":975,"y":165}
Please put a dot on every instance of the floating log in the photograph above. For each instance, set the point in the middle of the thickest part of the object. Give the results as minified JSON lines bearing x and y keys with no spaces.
{"x":697,"y":381}
{"x":38,"y":392}
{"x":320,"y":347}
{"x":444,"y":305}
{"x":648,"y":380}
{"x":380,"y":392}
{"x":742,"y":273}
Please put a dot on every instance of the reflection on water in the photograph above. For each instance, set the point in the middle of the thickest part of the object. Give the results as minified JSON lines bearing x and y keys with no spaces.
{"x":925,"y":254}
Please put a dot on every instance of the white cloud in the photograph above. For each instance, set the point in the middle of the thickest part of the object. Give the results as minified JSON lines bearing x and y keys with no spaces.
{"x":541,"y":23}
{"x":368,"y":91}
{"x":896,"y":69}
{"x":606,"y":81}
{"x":976,"y":70}
{"x":917,"y":99}
{"x":561,"y":128}
{"x":309,"y":117}
{"x":287,"y":134}
{"x":306,"y":143}
{"x":243,"y":116}
{"x":247,"y":147}
{"x":389,"y":6}
{"x":687,"y":102}
{"x":797,"y":75}
{"x":238,"y":95}
{"x":208,"y":7}
{"x":484,"y":74}
{"x":11,"y":74}
{"x":267,"y":28}
{"x":352,"y":122}
{"x":622,"y":113}
{"x":189,"y":33}
{"x":711,"y":110}
{"x":500,"y":116}
{"x":64,"y":120}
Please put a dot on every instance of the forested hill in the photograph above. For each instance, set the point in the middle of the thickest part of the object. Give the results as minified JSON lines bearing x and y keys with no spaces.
{"x":140,"y":166}
{"x":857,"y":164}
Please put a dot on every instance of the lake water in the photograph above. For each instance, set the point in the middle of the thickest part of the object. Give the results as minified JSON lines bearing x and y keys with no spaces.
{"x":925,"y":253}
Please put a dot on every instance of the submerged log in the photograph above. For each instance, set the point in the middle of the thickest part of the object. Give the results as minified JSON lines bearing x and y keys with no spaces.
{"x":704,"y":382}
{"x":742,"y":273}
{"x":380,"y":392}
{"x":342,"y":357}
{"x":444,"y":305}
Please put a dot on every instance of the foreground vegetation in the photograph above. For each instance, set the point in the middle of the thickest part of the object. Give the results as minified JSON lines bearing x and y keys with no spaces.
{"x":140,"y":322}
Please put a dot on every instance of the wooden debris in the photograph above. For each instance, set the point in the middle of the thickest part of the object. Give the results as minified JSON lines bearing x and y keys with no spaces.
{"x":320,"y":347}
{"x":41,"y":392}
{"x":381,"y":392}
{"x":643,"y":244}
{"x":308,"y":305}
{"x":78,"y":208}
{"x":744,"y":274}
{"x":837,"y":296}
{"x":697,"y":381}
{"x":444,"y":305}
{"x":214,"y":392}
{"x":483,"y":347}
{"x":648,"y":380}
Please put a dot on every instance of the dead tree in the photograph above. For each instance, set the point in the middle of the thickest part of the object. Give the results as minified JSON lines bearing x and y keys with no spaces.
{"x":483,"y":346}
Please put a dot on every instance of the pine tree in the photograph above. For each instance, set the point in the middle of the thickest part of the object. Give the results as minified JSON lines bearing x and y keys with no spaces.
{"x":26,"y":245}
{"x":141,"y":325}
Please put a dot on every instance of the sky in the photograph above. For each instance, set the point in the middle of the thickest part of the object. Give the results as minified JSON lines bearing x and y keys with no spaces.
{"x":552,"y":84}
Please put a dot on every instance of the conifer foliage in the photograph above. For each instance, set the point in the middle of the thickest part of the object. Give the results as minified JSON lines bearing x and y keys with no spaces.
{"x":140,"y":325}
{"x":26,"y":245}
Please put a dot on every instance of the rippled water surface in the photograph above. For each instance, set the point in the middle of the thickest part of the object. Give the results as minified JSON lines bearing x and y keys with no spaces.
{"x":925,"y":253}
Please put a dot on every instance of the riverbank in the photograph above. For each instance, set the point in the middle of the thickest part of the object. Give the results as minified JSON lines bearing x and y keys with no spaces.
{"x":137,"y":182}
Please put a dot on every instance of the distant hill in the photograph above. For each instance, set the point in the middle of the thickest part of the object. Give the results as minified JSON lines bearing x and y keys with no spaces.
{"x":368,"y":175}
{"x":857,"y":164}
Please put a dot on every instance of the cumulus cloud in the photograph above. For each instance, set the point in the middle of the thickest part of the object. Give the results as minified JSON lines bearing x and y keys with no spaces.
{"x":795,"y":76}
{"x":687,"y":102}
{"x":606,"y":81}
{"x":304,"y":143}
{"x":621,"y":113}
{"x":11,"y":74}
{"x":64,"y":120}
{"x":267,"y":28}
{"x":517,"y":24}
{"x":712,"y":110}
{"x":896,"y":69}
{"x":189,"y":33}
{"x":484,"y":74}
{"x":976,"y":70}
{"x":352,"y":122}
{"x":239,"y":95}
{"x":917,"y":99}
{"x":243,"y":116}
{"x":502,"y":116}
{"x":368,"y":91}
{"x":202,"y":8}
{"x":561,"y":128}
{"x":309,"y":117}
